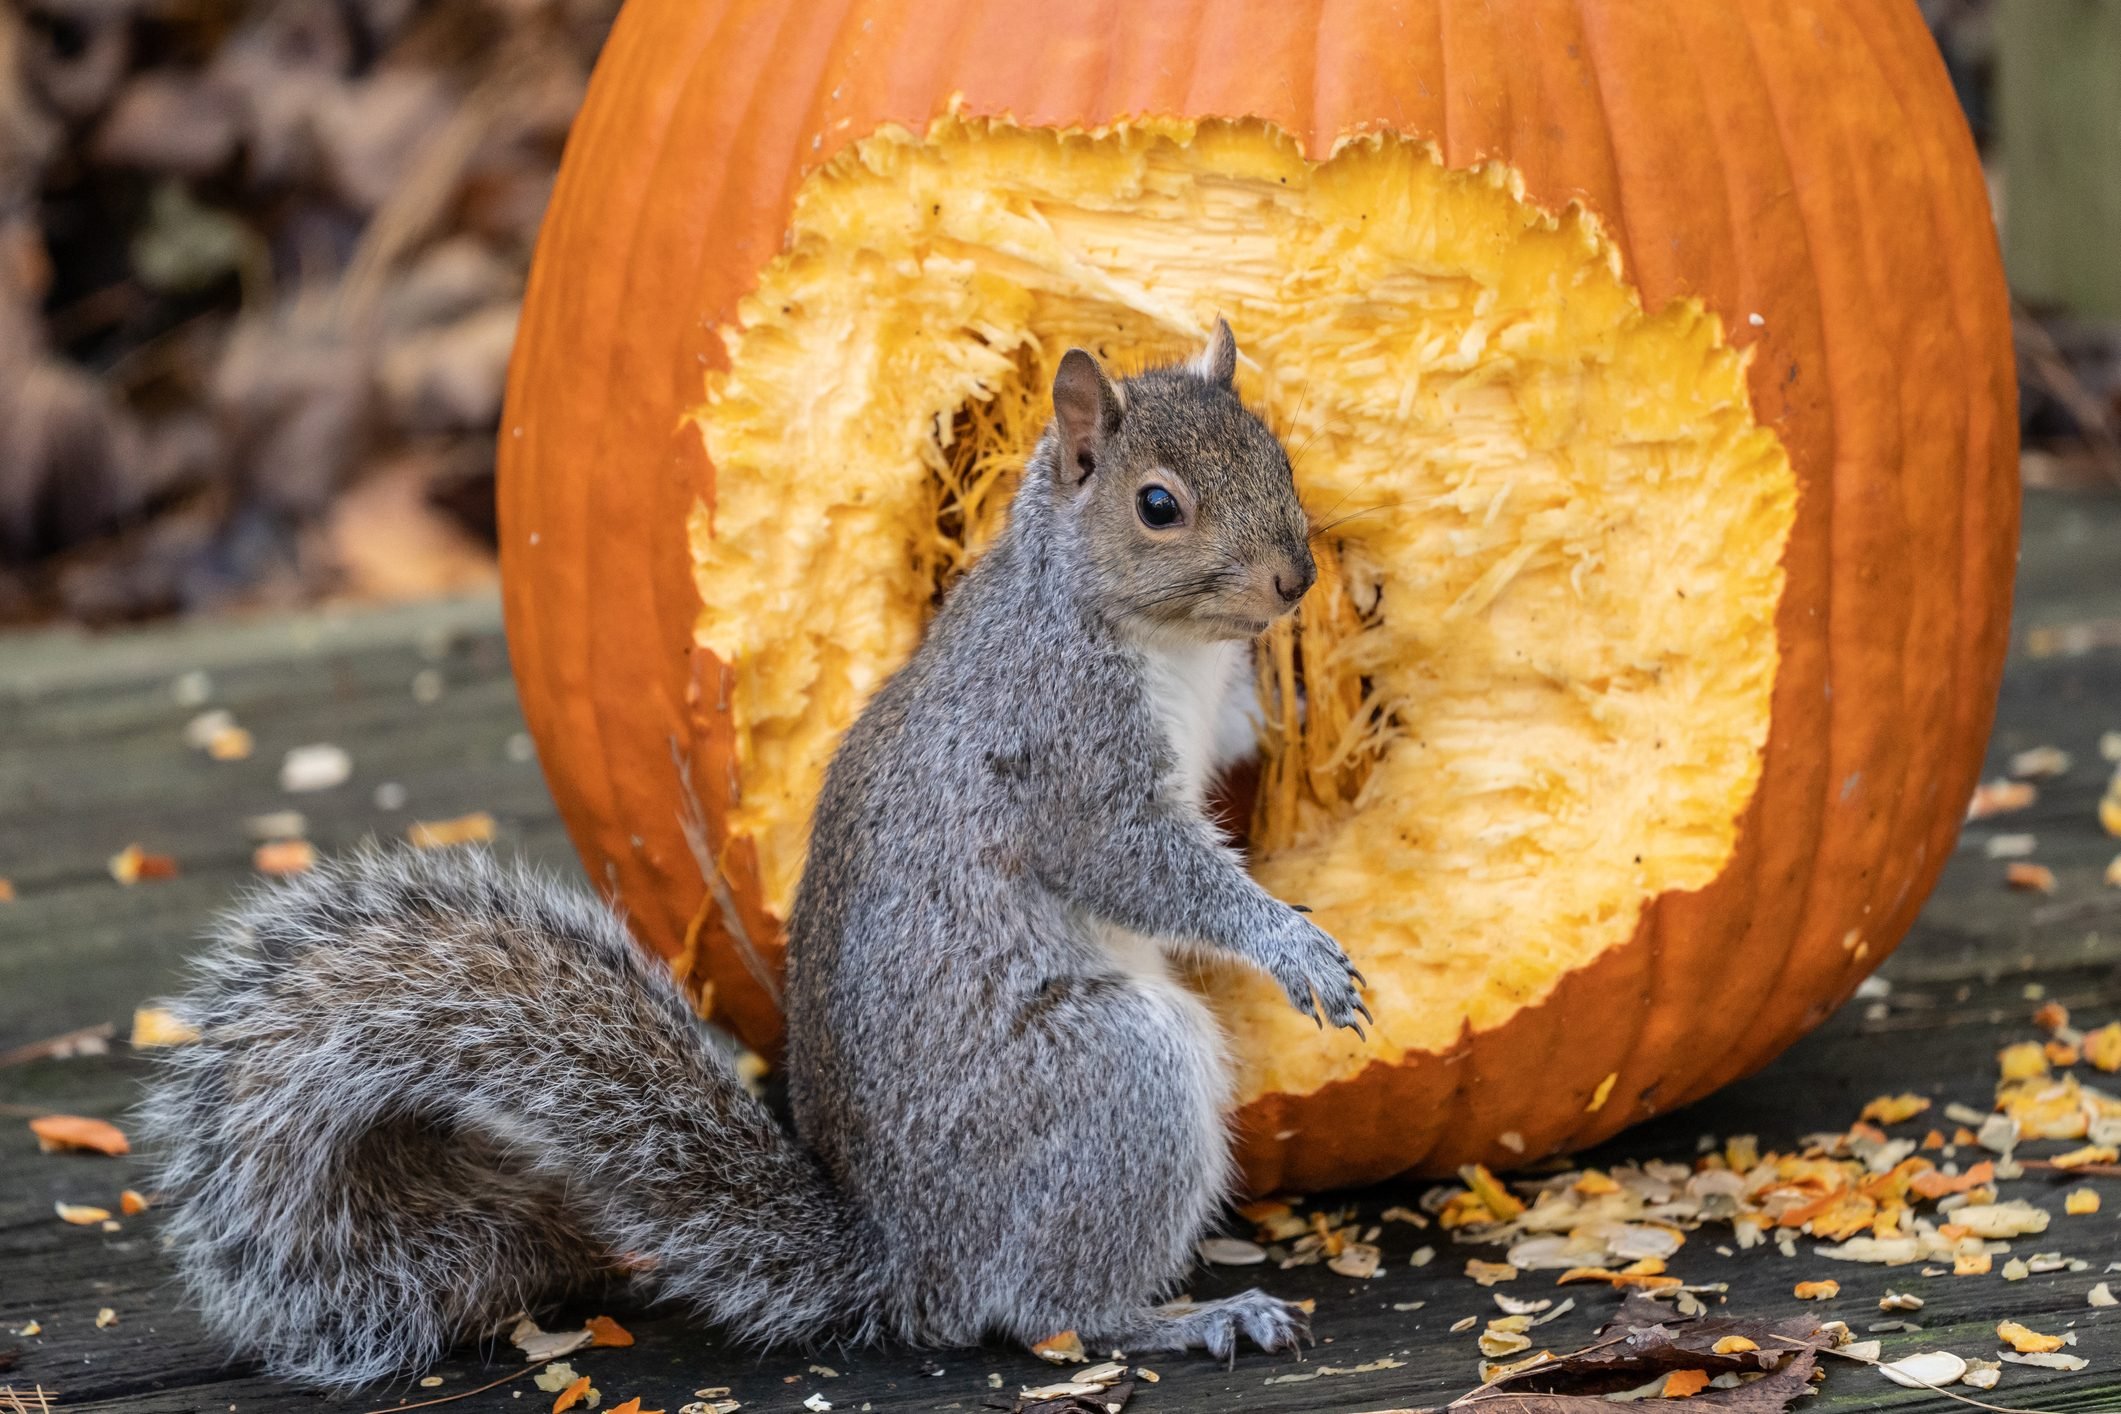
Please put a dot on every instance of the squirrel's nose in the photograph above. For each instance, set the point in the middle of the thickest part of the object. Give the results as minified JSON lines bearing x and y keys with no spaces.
{"x":1292,"y":582}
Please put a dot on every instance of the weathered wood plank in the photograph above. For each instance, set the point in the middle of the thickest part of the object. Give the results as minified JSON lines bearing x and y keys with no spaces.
{"x":90,"y":758}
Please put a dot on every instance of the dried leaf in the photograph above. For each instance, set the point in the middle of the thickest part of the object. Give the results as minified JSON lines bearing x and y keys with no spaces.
{"x":71,"y":1132}
{"x":1644,"y":1352}
{"x":539,"y":1344}
{"x":1817,"y":1290}
{"x":1106,"y":1400}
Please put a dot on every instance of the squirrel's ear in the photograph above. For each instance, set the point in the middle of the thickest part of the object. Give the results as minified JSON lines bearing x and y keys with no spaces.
{"x":1086,"y":412}
{"x":1217,"y":363}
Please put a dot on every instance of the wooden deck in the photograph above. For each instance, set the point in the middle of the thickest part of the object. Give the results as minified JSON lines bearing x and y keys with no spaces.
{"x":91,"y":760}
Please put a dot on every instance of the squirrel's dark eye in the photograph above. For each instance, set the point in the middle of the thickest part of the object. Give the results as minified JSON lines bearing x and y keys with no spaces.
{"x":1159,"y":509}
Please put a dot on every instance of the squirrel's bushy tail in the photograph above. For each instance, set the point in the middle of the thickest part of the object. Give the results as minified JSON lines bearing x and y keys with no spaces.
{"x":432,"y":1090}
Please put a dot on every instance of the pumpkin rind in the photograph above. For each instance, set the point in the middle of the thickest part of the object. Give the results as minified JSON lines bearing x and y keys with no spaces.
{"x":1800,"y":168}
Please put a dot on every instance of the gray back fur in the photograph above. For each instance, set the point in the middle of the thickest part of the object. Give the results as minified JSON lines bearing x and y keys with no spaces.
{"x":432,"y":1090}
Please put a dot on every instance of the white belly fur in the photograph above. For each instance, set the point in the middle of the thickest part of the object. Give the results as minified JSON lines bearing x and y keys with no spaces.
{"x":1189,"y":686}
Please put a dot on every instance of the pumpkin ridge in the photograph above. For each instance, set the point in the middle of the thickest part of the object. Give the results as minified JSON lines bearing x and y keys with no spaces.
{"x":1738,"y":1060}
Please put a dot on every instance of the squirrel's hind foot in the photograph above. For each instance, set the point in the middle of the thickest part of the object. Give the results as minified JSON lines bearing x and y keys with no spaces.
{"x":1274,"y":1325}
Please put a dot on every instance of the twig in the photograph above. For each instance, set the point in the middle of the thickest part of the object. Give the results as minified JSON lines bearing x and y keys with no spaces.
{"x":2044,"y":359}
{"x":1925,"y":1384}
{"x":66,"y":1044}
{"x":464,"y":1394}
{"x":16,"y":1406}
{"x":2089,"y":1170}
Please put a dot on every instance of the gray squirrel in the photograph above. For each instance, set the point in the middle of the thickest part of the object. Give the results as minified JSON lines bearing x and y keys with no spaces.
{"x":432,"y":1090}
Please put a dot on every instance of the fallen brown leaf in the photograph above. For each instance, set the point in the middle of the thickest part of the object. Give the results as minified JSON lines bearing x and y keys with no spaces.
{"x":1111,"y":1397}
{"x":1643,"y":1342}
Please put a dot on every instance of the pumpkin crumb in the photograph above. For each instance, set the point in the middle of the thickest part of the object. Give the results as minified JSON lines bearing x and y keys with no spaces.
{"x":1681,"y":1383}
{"x":2027,"y":1341}
{"x":59,"y":1133}
{"x":282,"y":857}
{"x":159,"y":1026}
{"x":132,"y":864}
{"x":605,"y":1331}
{"x":2032,"y":878}
{"x":574,"y":1394}
{"x":475,"y":828}
{"x":1061,"y":1348}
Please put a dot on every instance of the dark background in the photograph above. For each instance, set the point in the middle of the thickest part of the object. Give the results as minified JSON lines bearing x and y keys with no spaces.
{"x":260,"y":262}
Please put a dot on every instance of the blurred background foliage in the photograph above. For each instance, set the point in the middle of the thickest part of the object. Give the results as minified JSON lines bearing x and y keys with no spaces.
{"x":260,"y":264}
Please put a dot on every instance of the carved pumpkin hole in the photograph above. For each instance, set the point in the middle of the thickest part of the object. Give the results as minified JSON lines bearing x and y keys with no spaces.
{"x":1536,"y":674}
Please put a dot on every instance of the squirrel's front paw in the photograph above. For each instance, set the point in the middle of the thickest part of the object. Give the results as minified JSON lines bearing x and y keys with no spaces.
{"x":1317,"y":975}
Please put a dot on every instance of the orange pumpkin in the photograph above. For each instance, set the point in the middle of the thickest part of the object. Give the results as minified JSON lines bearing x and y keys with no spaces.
{"x":1647,"y":361}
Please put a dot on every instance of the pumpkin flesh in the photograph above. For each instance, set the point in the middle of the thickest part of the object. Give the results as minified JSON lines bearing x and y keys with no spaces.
{"x":1533,"y":689}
